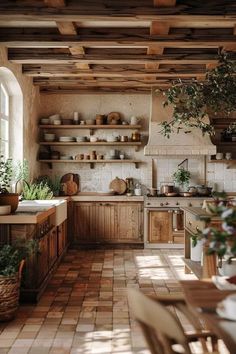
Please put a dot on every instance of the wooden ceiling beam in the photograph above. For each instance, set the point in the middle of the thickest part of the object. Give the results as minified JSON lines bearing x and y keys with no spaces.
{"x":67,"y":28}
{"x":164,"y":3}
{"x":107,"y":10}
{"x":55,"y":3}
{"x":113,"y":38}
{"x":96,"y":90}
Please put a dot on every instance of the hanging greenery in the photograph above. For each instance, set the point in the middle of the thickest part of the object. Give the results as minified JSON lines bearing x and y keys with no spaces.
{"x":193,"y":101}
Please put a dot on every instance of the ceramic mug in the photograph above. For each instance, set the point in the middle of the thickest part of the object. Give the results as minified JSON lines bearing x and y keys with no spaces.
{"x":219,"y":156}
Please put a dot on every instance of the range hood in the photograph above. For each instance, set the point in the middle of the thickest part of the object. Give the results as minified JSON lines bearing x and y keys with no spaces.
{"x":178,"y":144}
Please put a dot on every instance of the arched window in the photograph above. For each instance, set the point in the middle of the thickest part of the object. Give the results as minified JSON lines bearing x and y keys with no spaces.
{"x":11,"y":115}
{"x":4,"y":120}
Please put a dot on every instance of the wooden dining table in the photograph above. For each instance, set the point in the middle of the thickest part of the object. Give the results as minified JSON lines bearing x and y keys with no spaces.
{"x":203,"y":296}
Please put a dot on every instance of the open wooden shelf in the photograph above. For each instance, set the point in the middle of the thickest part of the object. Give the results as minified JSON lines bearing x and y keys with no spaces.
{"x":92,"y":162}
{"x":229,"y":163}
{"x":93,"y":126}
{"x":97,"y":143}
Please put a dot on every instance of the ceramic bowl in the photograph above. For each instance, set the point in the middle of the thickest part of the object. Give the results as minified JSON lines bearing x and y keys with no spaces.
{"x":49,"y":137}
{"x":5,"y":209}
{"x":44,"y":121}
{"x":80,"y":139}
{"x":93,"y":139}
{"x":66,"y":157}
{"x":66,"y":138}
{"x":90,"y":121}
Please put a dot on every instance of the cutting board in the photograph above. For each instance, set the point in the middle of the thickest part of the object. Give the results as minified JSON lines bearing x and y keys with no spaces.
{"x":70,"y":184}
{"x":118,"y":185}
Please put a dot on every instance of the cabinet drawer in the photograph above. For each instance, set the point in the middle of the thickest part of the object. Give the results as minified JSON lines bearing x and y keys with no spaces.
{"x":193,"y":224}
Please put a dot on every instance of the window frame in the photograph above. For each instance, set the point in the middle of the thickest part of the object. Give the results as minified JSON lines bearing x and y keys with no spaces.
{"x":6,"y":117}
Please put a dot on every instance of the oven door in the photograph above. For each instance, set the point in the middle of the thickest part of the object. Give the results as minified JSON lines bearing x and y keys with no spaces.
{"x":163,"y":225}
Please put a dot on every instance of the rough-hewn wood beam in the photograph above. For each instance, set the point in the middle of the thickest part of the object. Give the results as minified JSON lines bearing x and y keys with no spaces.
{"x":113,"y":37}
{"x":55,"y":3}
{"x":164,"y":3}
{"x":96,"y":90}
{"x":37,"y":58}
{"x":11,"y":10}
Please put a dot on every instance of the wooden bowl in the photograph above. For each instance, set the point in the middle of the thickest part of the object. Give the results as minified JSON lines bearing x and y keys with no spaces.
{"x":11,"y":199}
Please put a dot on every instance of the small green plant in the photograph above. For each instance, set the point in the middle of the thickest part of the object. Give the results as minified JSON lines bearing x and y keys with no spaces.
{"x":22,"y":171}
{"x":10,"y":258}
{"x":37,"y":191}
{"x":182,"y":176}
{"x":6,"y":174}
{"x":55,"y":185}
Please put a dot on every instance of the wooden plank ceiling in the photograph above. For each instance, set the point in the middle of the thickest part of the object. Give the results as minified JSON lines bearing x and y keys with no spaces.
{"x":115,"y":45}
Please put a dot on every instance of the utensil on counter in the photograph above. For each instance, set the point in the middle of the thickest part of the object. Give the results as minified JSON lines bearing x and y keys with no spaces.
{"x":118,"y":185}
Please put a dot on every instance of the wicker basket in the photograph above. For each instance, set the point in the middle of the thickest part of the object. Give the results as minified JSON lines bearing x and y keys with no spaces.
{"x":9,"y":294}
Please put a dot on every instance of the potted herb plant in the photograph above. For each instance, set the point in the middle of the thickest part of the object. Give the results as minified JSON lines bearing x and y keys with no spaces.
{"x":6,"y":175}
{"x":11,"y":264}
{"x":182,"y":177}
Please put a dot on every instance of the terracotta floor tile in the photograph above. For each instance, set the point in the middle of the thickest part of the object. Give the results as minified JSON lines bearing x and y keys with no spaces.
{"x":84,"y":309}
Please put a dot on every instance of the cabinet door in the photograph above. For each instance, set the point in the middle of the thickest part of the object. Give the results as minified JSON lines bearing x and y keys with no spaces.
{"x":42,"y":258}
{"x":106,"y":222}
{"x":160,"y":226}
{"x":84,"y":222}
{"x":52,"y":241}
{"x":61,"y":238}
{"x":130,"y":222}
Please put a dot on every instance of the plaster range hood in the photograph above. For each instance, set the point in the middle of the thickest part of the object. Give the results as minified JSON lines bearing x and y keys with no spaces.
{"x":178,"y":144}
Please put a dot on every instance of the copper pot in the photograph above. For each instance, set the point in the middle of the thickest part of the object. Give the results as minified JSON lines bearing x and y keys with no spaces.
{"x":167,"y":188}
{"x":11,"y":199}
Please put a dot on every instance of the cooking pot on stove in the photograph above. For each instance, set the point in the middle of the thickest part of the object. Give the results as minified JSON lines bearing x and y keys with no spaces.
{"x":152,"y":192}
{"x":204,"y":190}
{"x":192,"y":190}
{"x":167,"y":188}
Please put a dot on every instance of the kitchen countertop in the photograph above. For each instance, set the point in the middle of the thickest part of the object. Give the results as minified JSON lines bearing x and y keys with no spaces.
{"x":83,"y":197}
{"x":26,"y":217}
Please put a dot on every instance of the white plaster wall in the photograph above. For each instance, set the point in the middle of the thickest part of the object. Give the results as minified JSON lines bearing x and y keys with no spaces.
{"x":139,"y":105}
{"x":31,"y":99}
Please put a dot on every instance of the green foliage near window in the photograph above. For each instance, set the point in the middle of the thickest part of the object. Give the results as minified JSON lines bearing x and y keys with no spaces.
{"x":181,"y":176}
{"x":37,"y":191}
{"x":22,"y":170}
{"x":192,"y":101}
{"x":6,"y":174}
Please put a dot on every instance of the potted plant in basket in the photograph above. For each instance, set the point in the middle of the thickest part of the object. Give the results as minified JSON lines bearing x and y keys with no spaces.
{"x":6,"y":175}
{"x":221,"y":240}
{"x":11,"y":264}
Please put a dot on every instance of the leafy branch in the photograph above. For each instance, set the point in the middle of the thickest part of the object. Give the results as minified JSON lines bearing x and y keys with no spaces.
{"x":193,"y":101}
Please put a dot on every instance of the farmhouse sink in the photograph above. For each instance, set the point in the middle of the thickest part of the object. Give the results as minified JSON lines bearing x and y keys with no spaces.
{"x":43,"y":205}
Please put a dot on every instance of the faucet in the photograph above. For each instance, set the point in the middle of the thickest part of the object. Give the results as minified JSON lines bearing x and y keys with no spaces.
{"x":20,"y":180}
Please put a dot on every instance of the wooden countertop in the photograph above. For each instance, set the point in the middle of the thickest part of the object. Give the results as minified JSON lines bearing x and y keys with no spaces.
{"x":23,"y":217}
{"x":93,"y":197}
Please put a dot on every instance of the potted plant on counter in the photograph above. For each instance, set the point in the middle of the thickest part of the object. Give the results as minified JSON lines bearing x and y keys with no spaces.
{"x":6,"y":175}
{"x":11,"y":264}
{"x":182,"y":177}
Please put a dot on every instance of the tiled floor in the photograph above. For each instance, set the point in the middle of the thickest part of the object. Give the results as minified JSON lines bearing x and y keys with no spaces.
{"x":84,"y":309}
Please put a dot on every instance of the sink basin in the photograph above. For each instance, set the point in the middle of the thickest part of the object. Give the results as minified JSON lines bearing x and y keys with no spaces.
{"x":43,"y":205}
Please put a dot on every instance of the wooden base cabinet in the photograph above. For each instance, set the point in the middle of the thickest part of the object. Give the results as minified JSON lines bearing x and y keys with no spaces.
{"x":49,"y":248}
{"x":109,"y":222}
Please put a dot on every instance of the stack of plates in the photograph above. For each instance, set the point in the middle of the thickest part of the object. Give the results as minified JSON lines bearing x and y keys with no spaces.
{"x":66,"y":138}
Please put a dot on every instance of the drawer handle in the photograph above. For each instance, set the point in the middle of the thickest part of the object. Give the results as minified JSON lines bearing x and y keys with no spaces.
{"x":197,"y":228}
{"x":190,"y":223}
